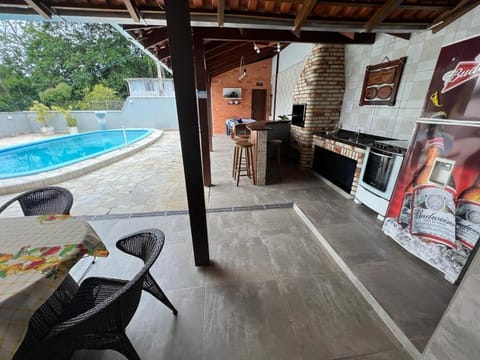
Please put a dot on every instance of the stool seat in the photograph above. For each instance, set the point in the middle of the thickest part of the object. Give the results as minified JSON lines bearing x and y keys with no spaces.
{"x":243,"y":160}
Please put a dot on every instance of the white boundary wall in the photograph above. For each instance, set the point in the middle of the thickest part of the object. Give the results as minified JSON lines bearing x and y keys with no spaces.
{"x":137,"y":112}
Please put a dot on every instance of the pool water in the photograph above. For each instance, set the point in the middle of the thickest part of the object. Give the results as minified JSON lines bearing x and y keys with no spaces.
{"x":53,"y":153}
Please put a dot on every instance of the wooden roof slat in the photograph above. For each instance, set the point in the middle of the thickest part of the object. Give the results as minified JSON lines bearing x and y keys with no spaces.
{"x":448,"y":17}
{"x":221,"y":12}
{"x":132,"y":10}
{"x":252,"y":5}
{"x":155,"y":38}
{"x":40,"y":8}
{"x":381,"y":14}
{"x":303,"y":14}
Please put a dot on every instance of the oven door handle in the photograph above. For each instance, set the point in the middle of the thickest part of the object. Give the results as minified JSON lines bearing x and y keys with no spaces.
{"x":388,"y":155}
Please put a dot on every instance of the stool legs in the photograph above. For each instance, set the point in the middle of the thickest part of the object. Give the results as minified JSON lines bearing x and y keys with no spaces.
{"x":243,"y":164}
{"x":239,"y":165}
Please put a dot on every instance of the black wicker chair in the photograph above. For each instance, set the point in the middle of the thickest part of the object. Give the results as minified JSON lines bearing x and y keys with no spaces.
{"x":132,"y":245}
{"x":43,"y":201}
{"x":102,"y":309}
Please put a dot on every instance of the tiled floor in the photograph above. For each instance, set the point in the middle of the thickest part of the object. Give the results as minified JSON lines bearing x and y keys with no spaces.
{"x":271,"y":292}
{"x":412,"y":294}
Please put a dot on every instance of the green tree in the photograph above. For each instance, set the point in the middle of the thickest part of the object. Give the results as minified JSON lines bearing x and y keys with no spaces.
{"x":60,"y":95}
{"x":79,"y":55}
{"x":16,"y":89}
{"x":98,"y":98}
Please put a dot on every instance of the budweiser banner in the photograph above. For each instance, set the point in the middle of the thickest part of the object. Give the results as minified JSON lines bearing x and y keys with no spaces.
{"x":455,"y":84}
{"x":434,"y":211}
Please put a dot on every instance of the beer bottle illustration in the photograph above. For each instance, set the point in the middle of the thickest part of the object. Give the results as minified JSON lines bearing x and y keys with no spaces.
{"x":467,"y":228}
{"x":433,"y":149}
{"x":433,"y":201}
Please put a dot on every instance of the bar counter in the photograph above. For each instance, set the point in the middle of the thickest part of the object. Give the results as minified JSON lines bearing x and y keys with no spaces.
{"x":258,"y":136}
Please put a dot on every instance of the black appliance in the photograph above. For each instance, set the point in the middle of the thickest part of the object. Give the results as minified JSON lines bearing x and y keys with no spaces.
{"x":298,"y":114}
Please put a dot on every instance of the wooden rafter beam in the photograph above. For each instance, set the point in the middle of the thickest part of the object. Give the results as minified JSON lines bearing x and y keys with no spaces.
{"x":448,"y":17}
{"x":303,"y":14}
{"x":350,"y":35}
{"x":221,"y":12}
{"x":132,"y":10}
{"x":40,"y":8}
{"x":228,"y":48}
{"x":327,"y":37}
{"x":161,"y":54}
{"x":404,"y":36}
{"x":154,"y":38}
{"x":381,"y":14}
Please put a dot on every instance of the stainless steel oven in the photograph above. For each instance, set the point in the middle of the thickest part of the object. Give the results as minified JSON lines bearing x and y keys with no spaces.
{"x":380,"y":169}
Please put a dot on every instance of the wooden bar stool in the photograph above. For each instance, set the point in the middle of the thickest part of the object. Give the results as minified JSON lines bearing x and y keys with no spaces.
{"x":243,"y":161}
{"x":274,"y":149}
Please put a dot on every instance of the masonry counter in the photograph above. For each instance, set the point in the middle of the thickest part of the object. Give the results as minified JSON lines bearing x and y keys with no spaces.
{"x":258,"y":136}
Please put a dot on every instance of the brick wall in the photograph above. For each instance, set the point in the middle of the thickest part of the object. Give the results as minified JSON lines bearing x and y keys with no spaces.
{"x":257,"y":73}
{"x":321,"y":86}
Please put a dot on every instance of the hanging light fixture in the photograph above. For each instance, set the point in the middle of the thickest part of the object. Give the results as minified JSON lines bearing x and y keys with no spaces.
{"x":243,"y":70}
{"x":255,"y":48}
{"x":278,"y":47}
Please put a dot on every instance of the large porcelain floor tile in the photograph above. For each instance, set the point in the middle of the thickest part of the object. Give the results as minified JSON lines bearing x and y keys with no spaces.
{"x":243,"y":322}
{"x":340,"y":324}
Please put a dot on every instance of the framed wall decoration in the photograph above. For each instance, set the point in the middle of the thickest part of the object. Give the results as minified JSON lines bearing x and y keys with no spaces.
{"x":380,"y":84}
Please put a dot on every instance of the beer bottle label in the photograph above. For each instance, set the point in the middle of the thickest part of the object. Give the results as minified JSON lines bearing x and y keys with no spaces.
{"x":433,"y":215}
{"x":405,"y":212}
{"x":467,"y":223}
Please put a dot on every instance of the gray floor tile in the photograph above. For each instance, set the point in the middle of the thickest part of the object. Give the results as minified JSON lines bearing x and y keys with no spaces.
{"x":340,"y":322}
{"x":242,"y":322}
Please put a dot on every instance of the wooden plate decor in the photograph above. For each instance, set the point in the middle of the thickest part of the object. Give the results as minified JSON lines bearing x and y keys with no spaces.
{"x":384,"y":92}
{"x":380,"y":84}
{"x":371,"y":93}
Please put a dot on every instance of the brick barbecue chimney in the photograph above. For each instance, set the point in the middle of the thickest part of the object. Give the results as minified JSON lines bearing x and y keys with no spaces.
{"x":321,"y":86}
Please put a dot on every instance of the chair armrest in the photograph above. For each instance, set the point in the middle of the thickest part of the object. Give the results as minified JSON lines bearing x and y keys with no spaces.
{"x":8,"y":203}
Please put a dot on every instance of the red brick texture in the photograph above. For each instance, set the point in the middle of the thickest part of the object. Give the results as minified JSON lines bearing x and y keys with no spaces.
{"x":321,"y":86}
{"x":257,"y":73}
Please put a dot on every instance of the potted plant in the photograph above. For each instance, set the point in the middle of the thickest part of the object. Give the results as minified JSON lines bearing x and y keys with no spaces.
{"x":42,"y":117}
{"x":283,"y":117}
{"x":71,"y":121}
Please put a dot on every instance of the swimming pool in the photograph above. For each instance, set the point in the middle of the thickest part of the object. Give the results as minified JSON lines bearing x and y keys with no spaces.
{"x":45,"y":155}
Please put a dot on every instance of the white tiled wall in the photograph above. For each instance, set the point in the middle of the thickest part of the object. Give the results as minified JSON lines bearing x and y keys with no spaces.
{"x":291,"y":64}
{"x":421,"y":50}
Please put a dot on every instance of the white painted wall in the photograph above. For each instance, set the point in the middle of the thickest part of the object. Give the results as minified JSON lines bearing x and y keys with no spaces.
{"x":290,"y":66}
{"x":137,"y":112}
{"x":422,"y":51}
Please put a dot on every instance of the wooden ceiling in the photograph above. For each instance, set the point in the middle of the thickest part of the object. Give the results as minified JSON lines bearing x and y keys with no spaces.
{"x":228,"y":28}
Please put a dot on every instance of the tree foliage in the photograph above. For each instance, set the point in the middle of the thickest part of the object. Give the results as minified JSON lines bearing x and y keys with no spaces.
{"x":60,"y":95}
{"x":98,"y":97}
{"x":47,"y":59}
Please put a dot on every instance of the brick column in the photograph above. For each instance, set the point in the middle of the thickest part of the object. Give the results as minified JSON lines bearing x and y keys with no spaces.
{"x":321,"y":86}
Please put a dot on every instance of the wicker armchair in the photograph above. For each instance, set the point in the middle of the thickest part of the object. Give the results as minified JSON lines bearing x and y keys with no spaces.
{"x":43,"y":201}
{"x":102,"y":309}
{"x":132,"y":245}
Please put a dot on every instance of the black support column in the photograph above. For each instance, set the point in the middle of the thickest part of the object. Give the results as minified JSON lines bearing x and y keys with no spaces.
{"x":201,"y":80}
{"x":180,"y":40}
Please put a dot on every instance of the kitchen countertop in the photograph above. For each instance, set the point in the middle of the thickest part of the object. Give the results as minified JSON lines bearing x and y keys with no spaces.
{"x":352,"y":138}
{"x":258,"y":126}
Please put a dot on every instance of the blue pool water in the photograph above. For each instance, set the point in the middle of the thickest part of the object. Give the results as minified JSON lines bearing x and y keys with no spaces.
{"x":45,"y":155}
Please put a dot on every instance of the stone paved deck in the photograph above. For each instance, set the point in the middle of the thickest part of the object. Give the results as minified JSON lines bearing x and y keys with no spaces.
{"x":150,"y":180}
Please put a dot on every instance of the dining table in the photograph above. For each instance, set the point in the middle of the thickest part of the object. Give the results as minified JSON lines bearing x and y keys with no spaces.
{"x":36,"y":254}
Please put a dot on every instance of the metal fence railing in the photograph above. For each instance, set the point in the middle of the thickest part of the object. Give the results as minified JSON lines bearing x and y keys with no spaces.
{"x":106,"y":105}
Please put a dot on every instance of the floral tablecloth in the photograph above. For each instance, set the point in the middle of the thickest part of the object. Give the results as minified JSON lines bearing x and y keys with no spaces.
{"x":36,"y":253}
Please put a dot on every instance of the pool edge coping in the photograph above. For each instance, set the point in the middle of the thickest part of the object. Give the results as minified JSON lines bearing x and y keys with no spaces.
{"x":24,"y":183}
